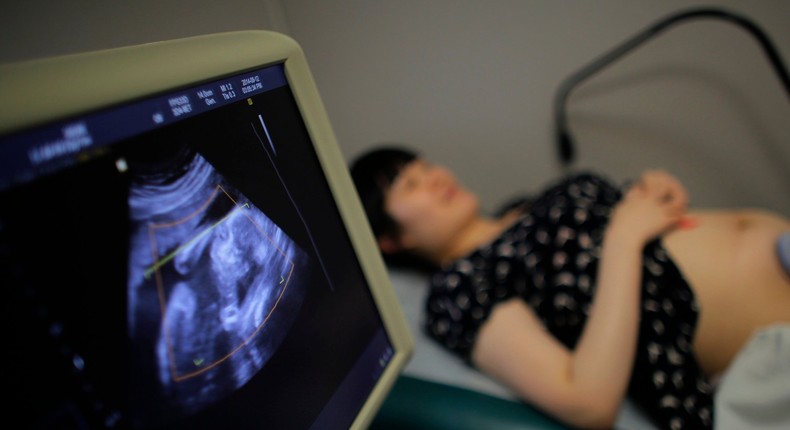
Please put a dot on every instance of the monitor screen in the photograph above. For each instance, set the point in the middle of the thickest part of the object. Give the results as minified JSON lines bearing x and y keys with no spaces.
{"x":181,"y":245}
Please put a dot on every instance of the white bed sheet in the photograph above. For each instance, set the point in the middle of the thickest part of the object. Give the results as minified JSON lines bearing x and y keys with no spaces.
{"x":431,"y":362}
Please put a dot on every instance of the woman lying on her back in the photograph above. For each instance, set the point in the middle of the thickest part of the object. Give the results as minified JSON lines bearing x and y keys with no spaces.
{"x":588,"y":294}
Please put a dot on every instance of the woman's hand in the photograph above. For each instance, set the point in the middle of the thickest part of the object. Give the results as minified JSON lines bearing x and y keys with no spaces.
{"x":651,"y":207}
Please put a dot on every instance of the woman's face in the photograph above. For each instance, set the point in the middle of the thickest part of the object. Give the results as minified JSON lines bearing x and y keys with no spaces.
{"x":430,"y":206}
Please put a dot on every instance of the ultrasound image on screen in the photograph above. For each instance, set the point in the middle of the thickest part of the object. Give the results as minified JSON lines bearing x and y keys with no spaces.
{"x":194,"y":276}
{"x":214,"y":285}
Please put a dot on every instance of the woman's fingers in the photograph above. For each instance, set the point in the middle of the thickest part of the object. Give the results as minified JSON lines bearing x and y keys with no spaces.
{"x":665,"y":188}
{"x":655,"y":203}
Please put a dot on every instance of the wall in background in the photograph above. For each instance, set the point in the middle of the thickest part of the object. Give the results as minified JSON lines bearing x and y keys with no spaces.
{"x":40,"y":28}
{"x":471,"y":84}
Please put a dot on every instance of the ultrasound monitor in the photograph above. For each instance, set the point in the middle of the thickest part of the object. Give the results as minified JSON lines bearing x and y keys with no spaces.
{"x":181,"y":246}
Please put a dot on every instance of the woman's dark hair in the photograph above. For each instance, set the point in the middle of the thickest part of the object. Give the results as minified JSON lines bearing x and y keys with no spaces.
{"x":373,"y":173}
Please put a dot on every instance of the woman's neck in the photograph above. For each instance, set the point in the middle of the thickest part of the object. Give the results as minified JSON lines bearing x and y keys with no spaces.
{"x":476,"y":233}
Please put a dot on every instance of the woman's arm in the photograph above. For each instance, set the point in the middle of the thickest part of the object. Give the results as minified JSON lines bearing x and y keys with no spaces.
{"x":584,"y":387}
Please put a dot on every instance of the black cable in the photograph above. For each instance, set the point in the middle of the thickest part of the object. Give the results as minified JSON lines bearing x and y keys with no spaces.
{"x":564,"y":139}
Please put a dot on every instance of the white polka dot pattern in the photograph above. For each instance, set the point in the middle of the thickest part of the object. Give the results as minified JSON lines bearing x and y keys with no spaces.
{"x":550,"y":259}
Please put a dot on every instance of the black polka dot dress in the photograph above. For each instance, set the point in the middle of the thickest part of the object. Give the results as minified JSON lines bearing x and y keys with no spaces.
{"x":549,"y":258}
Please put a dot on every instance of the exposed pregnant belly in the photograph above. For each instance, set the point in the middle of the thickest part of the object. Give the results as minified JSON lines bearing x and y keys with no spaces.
{"x":730,"y":261}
